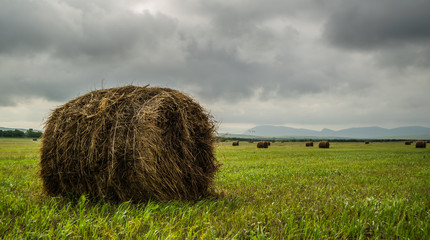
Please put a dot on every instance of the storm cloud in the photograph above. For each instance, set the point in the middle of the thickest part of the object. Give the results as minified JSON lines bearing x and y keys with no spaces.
{"x":371,"y":24}
{"x":398,"y":32}
{"x":268,"y":58}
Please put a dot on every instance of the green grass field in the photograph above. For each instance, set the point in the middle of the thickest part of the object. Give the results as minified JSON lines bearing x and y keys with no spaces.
{"x":349,"y":191}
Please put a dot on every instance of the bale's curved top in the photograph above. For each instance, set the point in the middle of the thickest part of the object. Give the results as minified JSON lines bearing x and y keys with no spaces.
{"x":129,"y":143}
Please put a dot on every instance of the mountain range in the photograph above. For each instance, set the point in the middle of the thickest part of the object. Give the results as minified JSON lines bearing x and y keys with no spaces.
{"x":8,"y":129}
{"x":360,"y":132}
{"x":412,"y":132}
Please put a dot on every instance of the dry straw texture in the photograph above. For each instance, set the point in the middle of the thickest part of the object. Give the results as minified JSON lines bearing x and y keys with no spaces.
{"x":420,"y":144}
{"x":129,"y":143}
{"x":324,"y":144}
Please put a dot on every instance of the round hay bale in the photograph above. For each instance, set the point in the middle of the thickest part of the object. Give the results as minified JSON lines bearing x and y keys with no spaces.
{"x":235,"y":143}
{"x":324,"y":144}
{"x":366,"y":142}
{"x":129,"y":143}
{"x":309,"y":144}
{"x":408,"y":142}
{"x":420,"y":144}
{"x":263,"y":144}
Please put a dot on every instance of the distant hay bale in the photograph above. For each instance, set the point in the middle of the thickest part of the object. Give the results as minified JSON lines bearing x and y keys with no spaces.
{"x":34,"y":139}
{"x":268,"y":143}
{"x":408,"y":142}
{"x":235,"y":143}
{"x":129,"y":143}
{"x":366,"y":142}
{"x":309,"y":144}
{"x":420,"y":144}
{"x":324,"y":144}
{"x":263,"y":144}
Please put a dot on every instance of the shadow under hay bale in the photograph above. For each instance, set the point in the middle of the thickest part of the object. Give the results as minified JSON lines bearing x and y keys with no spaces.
{"x":309,"y":144}
{"x":263,"y":144}
{"x":129,"y":143}
{"x":235,"y":143}
{"x":420,"y":144}
{"x":324,"y":144}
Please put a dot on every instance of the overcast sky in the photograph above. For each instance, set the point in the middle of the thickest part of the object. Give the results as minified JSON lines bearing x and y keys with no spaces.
{"x":298,"y":63}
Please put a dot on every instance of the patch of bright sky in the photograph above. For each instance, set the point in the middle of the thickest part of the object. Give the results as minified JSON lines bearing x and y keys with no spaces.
{"x":32,"y":114}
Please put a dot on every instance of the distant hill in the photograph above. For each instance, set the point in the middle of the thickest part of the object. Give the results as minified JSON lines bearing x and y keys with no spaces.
{"x":20,"y":129}
{"x":7,"y":129}
{"x":413,"y":132}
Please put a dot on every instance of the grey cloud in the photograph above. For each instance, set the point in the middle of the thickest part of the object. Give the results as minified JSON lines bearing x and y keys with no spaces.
{"x":233,"y":18}
{"x":37,"y":77}
{"x":79,"y":43}
{"x":25,"y":26}
{"x":108,"y":37}
{"x":240,"y":51}
{"x":369,"y":24}
{"x":70,"y":30}
{"x":251,"y":62}
{"x":225,"y":77}
{"x":54,"y":49}
{"x":410,"y":55}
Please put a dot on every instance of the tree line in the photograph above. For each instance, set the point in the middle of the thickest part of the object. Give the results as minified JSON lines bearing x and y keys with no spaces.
{"x":20,"y":134}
